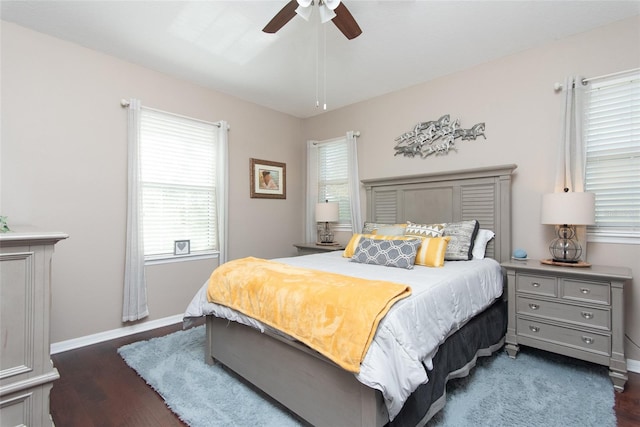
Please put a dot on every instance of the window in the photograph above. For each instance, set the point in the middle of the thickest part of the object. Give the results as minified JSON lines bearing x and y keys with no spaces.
{"x":332,"y":174}
{"x":178,"y":183}
{"x":612,"y":146}
{"x":333,"y":177}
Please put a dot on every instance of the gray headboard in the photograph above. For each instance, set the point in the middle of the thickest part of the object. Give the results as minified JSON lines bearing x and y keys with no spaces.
{"x":482,"y":193}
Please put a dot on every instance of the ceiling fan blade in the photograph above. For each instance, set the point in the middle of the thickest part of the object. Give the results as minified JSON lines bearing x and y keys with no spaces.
{"x":346,"y":23}
{"x":285,"y":15}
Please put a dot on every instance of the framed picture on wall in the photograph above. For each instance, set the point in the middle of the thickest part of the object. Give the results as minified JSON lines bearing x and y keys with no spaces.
{"x":268,"y":179}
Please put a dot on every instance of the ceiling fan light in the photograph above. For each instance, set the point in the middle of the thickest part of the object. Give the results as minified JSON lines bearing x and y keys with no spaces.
{"x":304,"y":3}
{"x":326,"y":14}
{"x":304,"y":12}
{"x":331,"y":4}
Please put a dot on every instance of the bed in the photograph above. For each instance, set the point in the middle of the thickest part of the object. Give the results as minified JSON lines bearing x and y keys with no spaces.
{"x":322,"y":393}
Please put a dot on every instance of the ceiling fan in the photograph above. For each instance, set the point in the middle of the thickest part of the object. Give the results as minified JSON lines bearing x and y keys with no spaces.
{"x":333,"y":10}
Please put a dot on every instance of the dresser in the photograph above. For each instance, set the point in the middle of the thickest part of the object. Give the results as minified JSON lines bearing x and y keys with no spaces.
{"x":26,"y":371}
{"x":574,"y":311}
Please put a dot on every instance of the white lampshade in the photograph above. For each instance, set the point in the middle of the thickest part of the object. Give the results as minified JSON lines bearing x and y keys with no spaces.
{"x":327,"y":212}
{"x":571,"y":208}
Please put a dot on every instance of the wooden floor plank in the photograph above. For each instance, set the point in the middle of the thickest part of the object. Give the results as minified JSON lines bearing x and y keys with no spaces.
{"x":97,"y":389}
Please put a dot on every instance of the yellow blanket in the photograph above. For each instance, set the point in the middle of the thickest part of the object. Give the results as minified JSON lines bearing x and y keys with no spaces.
{"x":335,"y":315}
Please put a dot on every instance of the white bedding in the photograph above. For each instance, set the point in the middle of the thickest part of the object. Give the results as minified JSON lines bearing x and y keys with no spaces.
{"x":442,"y":301}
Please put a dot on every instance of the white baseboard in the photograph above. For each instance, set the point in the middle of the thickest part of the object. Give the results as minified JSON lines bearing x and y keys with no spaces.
{"x":633,"y":366}
{"x":59,"y":347}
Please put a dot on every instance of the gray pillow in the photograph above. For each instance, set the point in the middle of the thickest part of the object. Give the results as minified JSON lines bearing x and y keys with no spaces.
{"x":390,"y":253}
{"x":463,"y":235}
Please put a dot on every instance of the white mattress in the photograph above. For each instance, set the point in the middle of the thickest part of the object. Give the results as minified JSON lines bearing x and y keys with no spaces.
{"x":442,"y":301}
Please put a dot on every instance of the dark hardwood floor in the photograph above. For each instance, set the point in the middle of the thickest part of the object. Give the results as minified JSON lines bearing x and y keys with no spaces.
{"x":96,"y":388}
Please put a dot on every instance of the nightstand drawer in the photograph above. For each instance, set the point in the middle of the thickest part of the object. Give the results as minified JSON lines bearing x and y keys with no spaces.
{"x":592,"y":317}
{"x":539,"y":285}
{"x":588,"y":341}
{"x":578,"y":290}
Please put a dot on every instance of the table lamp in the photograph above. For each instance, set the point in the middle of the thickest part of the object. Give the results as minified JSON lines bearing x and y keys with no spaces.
{"x":566,"y":210}
{"x":327,"y":212}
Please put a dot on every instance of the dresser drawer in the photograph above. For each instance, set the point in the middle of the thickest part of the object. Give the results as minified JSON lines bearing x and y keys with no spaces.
{"x":580,"y":290}
{"x":539,"y":285}
{"x":588,"y":341}
{"x":592,"y":317}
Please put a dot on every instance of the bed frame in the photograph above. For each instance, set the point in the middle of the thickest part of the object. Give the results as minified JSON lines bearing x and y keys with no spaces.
{"x":310,"y":385}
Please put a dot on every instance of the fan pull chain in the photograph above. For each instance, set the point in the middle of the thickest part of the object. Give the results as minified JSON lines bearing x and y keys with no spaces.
{"x":324,"y":83}
{"x":317,"y":43}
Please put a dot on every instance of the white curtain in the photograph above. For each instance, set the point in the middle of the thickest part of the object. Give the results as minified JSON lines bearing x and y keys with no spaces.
{"x":311,"y":233}
{"x":134,"y":306}
{"x":222,"y":191}
{"x":354,"y":183}
{"x":570,"y":167}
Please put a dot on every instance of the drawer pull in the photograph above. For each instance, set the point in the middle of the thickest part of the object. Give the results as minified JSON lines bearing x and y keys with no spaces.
{"x":536,"y":329}
{"x":584,"y":290}
{"x":535,"y":284}
{"x":587,"y":340}
{"x":534,"y":306}
{"x":587,"y":315}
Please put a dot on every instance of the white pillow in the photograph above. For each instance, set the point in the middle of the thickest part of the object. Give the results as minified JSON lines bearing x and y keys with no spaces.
{"x":390,"y":231}
{"x":480,"y":244}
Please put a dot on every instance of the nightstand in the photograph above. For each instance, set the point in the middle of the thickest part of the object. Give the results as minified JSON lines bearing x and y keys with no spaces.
{"x":574,"y":311}
{"x":313,"y":248}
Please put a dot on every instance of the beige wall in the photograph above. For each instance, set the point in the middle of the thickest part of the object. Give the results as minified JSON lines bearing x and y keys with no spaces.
{"x":63,"y":167}
{"x":515,"y":97}
{"x":63,"y":157}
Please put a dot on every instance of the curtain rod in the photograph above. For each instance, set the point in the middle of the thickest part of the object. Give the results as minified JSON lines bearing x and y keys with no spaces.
{"x":125,"y":104}
{"x":619,"y":73}
{"x":356,"y":134}
{"x":558,"y":86}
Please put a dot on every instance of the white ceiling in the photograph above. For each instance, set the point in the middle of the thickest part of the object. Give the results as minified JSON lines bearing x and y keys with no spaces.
{"x":220,"y":45}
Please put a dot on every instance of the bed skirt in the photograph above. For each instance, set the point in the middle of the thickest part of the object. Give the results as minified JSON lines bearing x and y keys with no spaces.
{"x":481,"y":336}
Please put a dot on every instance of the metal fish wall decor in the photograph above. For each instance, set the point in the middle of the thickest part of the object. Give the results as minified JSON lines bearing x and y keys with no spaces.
{"x":435,"y":137}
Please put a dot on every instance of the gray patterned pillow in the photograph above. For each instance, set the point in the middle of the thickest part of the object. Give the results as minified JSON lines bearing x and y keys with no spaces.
{"x":390,"y":253}
{"x":463,"y":234}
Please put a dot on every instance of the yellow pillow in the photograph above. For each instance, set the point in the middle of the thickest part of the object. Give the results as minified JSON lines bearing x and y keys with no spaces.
{"x":353,"y":243}
{"x":431,"y":251}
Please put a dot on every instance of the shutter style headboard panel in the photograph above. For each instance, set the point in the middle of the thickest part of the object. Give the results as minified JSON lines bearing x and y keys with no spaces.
{"x":483,"y":194}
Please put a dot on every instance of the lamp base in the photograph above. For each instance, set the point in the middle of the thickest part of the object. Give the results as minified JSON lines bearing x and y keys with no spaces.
{"x":326,"y":236}
{"x":327,"y":243}
{"x":566,"y":261}
{"x":565,"y":248}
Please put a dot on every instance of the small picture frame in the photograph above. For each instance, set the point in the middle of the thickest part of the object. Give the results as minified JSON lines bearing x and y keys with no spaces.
{"x":182,"y":247}
{"x":268,"y":180}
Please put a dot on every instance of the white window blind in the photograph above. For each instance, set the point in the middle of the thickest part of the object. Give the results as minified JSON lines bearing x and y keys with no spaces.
{"x":178,"y":175}
{"x":612,"y":145}
{"x":333,"y":177}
